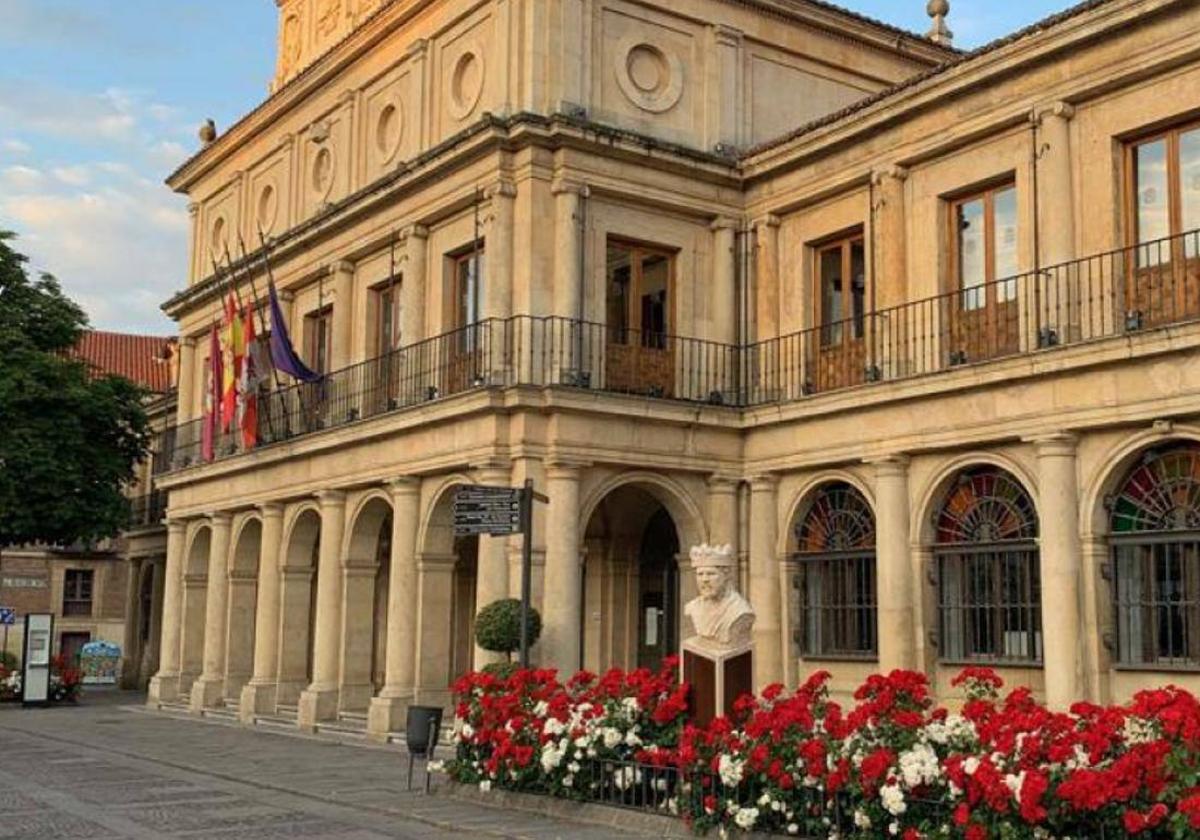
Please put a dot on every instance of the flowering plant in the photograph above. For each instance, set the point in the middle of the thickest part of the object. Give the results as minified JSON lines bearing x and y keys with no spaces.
{"x":66,"y":683}
{"x":892,"y":765}
{"x":10,"y":683}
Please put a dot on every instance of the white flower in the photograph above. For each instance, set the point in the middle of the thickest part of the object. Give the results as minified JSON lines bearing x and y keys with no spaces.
{"x":485,"y":785}
{"x":541,"y":709}
{"x":1138,"y":731}
{"x":745,"y":818}
{"x":970,"y":765}
{"x":435,"y":766}
{"x":730,"y":770}
{"x":632,"y":739}
{"x":1014,"y":783}
{"x":893,"y":799}
{"x":792,"y":828}
{"x":554,"y":726}
{"x":764,"y":800}
{"x":568,"y":781}
{"x":861,"y":820}
{"x":918,"y":766}
{"x":467,"y":731}
{"x":612,"y":737}
{"x":893,"y":828}
{"x":573,"y":767}
{"x":551,"y":758}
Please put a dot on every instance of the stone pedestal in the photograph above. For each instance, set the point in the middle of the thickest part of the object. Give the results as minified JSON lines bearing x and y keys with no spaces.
{"x":718,"y":677}
{"x":317,"y":703}
{"x":386,"y":715}
{"x":257,"y":699}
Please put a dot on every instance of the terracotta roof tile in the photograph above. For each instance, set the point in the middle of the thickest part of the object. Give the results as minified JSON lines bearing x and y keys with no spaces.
{"x":143,"y":359}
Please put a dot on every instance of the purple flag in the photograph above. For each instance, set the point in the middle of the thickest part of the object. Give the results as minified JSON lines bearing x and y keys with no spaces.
{"x":283,"y":354}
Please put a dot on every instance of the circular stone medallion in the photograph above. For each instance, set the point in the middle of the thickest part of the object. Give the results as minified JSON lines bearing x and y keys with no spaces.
{"x":322,"y":172}
{"x":649,"y":76}
{"x":466,"y":82}
{"x":389,"y":130}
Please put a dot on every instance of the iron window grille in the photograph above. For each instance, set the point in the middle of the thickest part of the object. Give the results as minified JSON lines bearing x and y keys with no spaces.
{"x":833,"y":576}
{"x":988,"y":575}
{"x":1155,"y":544}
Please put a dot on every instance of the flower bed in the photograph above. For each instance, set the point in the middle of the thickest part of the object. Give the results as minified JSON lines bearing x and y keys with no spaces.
{"x":66,"y":684}
{"x":797,"y":763}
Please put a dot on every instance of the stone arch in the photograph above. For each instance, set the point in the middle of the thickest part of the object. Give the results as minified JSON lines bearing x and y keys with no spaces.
{"x":436,"y":532}
{"x":195,"y":599}
{"x":667,"y":491}
{"x":198,"y":541}
{"x":366,"y":553}
{"x":803,"y":498}
{"x":1115,"y":465}
{"x":929,"y":501}
{"x":297,"y":594}
{"x":244,"y":570}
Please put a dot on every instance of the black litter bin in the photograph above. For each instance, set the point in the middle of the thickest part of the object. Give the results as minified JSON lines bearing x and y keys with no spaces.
{"x":421,"y":735}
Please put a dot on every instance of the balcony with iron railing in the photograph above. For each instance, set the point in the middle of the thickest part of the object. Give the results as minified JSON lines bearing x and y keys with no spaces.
{"x":147,"y":510}
{"x":1116,"y":293}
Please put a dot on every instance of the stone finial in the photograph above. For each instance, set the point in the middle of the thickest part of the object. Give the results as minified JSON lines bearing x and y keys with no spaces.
{"x":939,"y":32}
{"x":208,"y":131}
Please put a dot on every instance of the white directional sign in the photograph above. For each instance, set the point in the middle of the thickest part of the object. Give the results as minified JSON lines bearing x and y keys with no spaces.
{"x":487,"y":510}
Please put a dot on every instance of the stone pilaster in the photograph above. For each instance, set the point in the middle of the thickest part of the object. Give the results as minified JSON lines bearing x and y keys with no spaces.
{"x":258,"y":696}
{"x":766,"y":278}
{"x":164,"y":685}
{"x":342,"y":273}
{"x":562,"y":600}
{"x":1062,"y":632}
{"x":412,"y":287}
{"x":185,"y":389}
{"x":320,"y":700}
{"x":764,"y":593}
{"x":723,"y":302}
{"x":386,"y":713}
{"x":893,"y":564}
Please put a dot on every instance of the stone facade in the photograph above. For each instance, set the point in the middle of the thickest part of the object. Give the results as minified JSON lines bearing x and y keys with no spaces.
{"x":901,"y":354}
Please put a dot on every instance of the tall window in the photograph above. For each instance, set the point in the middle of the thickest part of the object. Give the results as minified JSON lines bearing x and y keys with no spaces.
{"x":842,"y":284}
{"x":637,"y":302}
{"x":387,"y":317}
{"x":985,"y":246}
{"x":1155,"y":541}
{"x":466,"y":295}
{"x":318,"y":339}
{"x":77,"y":592}
{"x":1164,"y":172}
{"x":989,"y":591}
{"x":834,"y":576}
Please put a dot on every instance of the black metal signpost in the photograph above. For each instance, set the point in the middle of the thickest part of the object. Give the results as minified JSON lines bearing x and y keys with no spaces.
{"x":499,"y":512}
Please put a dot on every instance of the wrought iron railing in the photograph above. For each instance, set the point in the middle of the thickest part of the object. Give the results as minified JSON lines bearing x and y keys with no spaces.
{"x":148,"y":510}
{"x":1116,"y":293}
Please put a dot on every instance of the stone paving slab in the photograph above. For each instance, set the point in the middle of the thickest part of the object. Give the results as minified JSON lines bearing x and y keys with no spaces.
{"x":106,"y":770}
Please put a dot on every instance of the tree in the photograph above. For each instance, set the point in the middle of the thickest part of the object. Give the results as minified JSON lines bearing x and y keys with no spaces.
{"x":498,"y":627}
{"x":69,"y":439}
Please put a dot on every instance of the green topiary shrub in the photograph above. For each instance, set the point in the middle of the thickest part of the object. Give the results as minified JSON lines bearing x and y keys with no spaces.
{"x":498,"y":627}
{"x":501,"y":670}
{"x":8,"y":660}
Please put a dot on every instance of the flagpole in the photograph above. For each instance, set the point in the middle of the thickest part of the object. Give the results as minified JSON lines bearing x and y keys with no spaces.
{"x":219,"y":387}
{"x":262,"y":321}
{"x":262,"y":239}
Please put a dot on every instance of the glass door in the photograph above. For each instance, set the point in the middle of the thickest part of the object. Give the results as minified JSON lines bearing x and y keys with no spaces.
{"x":985,"y":316}
{"x":640,"y":357}
{"x":842,"y":295}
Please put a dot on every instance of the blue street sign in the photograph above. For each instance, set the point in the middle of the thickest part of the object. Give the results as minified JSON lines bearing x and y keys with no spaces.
{"x":8,"y":616}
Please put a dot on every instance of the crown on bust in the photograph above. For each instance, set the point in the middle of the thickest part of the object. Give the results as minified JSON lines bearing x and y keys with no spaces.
{"x":712,"y":555}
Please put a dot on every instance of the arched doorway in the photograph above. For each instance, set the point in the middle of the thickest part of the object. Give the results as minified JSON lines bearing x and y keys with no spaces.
{"x":195,"y":600}
{"x":242,"y":605}
{"x":379,"y":621}
{"x":631,"y":582}
{"x":463,"y":605}
{"x":364,"y":595}
{"x":297,"y":605}
{"x":988,"y":570}
{"x":1154,"y":539}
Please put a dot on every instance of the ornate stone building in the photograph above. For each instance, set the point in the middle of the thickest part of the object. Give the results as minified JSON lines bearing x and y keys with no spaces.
{"x":914,"y":330}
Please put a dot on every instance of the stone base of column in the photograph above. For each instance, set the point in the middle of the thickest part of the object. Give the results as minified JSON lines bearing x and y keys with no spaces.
{"x":164,"y":688}
{"x":432,"y":697}
{"x":257,"y":699}
{"x":207,"y":693}
{"x":316,"y":704}
{"x":287,"y":692}
{"x":234,"y":686}
{"x":388,"y":714}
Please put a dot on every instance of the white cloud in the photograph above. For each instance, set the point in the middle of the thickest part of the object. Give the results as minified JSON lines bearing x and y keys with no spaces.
{"x":21,"y":178}
{"x":72,"y":176}
{"x":13,"y":146}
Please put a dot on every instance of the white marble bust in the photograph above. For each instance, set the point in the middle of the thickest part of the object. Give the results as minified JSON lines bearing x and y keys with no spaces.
{"x":722,"y":618}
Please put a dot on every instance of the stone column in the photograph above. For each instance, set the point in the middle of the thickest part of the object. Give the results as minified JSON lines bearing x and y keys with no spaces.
{"x":164,"y":685}
{"x":356,"y":637}
{"x":320,"y":700}
{"x":209,"y":689}
{"x":435,"y":602}
{"x":185,"y":388}
{"x":563,"y":598}
{"x":191,"y":640}
{"x":386,"y":713}
{"x":889,"y":281}
{"x":570,"y":302}
{"x":1062,"y":632}
{"x":132,"y":647}
{"x":491,"y":580}
{"x":342,"y":273}
{"x":766,"y":278}
{"x":764,"y":581}
{"x":893,"y":566}
{"x":258,"y":696}
{"x":723,"y":303}
{"x":412,"y":287}
{"x":239,"y":631}
{"x":1058,"y":310}
{"x":296,"y":578}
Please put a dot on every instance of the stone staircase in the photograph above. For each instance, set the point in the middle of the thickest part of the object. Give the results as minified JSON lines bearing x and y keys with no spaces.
{"x":227,"y":711}
{"x":284,"y":718}
{"x":347,"y":725}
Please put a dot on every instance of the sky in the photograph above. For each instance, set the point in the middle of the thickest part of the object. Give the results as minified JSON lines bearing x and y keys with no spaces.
{"x":101,"y":99}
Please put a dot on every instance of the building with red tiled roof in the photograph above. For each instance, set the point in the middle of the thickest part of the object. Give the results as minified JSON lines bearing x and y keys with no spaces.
{"x":148,"y":360}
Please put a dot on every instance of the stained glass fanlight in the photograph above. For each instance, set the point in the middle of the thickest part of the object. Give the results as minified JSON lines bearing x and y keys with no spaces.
{"x":986,"y":505}
{"x":1161,"y":493}
{"x":839,"y":519}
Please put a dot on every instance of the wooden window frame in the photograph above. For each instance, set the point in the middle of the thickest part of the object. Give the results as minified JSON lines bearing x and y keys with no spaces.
{"x":988,"y":194}
{"x":72,"y":594}
{"x":844,"y":240}
{"x":1171,"y":134}
{"x":312,"y":324}
{"x":634,"y":324}
{"x":378,"y":296}
{"x":454,"y":284}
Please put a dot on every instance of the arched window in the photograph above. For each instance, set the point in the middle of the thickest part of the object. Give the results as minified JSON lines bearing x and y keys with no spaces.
{"x":834,"y":576}
{"x":1155,"y":545}
{"x":989,"y":591}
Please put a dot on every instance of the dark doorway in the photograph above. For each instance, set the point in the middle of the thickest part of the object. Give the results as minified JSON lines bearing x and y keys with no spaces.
{"x":658,"y":592}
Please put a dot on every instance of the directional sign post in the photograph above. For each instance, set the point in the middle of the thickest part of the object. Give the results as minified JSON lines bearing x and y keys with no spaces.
{"x":8,"y":617}
{"x":501,"y":511}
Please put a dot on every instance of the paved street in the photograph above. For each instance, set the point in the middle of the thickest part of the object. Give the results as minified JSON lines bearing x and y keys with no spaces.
{"x":107,"y":770}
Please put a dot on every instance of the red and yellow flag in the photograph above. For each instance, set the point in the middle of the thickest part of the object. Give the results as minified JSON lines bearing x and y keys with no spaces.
{"x":233,"y":350}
